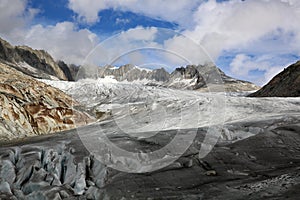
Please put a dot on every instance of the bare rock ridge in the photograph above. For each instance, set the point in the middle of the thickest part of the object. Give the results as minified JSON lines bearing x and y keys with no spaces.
{"x":193,"y":77}
{"x":132,"y":73}
{"x":284,"y":84}
{"x":36,"y":63}
{"x":29,"y":107}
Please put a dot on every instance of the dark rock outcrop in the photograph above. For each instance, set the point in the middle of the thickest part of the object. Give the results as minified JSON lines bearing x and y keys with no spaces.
{"x":285,"y":84}
{"x":67,"y":70}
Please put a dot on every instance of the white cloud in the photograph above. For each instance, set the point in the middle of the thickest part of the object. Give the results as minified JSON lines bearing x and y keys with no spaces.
{"x":237,"y":24}
{"x":124,"y":46}
{"x":186,"y":50}
{"x":179,"y":11}
{"x":242,"y":64}
{"x":63,"y":41}
{"x":122,"y":21}
{"x":14,"y":16}
{"x":258,"y":27}
{"x":139,"y":33}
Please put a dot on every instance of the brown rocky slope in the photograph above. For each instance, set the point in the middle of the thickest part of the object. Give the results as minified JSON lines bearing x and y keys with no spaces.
{"x":285,"y":84}
{"x":29,"y":107}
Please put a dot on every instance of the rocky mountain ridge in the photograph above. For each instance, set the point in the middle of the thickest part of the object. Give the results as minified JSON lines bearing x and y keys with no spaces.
{"x":192,"y":77}
{"x":284,"y":84}
{"x":35,"y":63}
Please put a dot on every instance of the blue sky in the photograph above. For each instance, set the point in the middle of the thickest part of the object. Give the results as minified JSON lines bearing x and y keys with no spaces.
{"x":251,"y":40}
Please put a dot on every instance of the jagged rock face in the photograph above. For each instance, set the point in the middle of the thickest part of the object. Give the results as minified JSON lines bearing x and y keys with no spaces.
{"x":191,"y":77}
{"x":285,"y":84}
{"x":35,"y":63}
{"x":132,"y":73}
{"x":67,"y":70}
{"x":187,"y":72}
{"x":29,"y":107}
{"x":40,"y":60}
{"x":198,"y":77}
{"x":8,"y":53}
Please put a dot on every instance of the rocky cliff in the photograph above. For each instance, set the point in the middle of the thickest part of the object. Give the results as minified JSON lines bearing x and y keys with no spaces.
{"x":285,"y":84}
{"x":36,"y":63}
{"x":29,"y":107}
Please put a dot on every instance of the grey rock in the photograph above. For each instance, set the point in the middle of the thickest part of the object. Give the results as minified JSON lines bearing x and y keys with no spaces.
{"x":38,"y":174}
{"x":37,"y":195}
{"x":64,"y":194}
{"x":18,"y":194}
{"x":56,"y":197}
{"x":94,"y":193}
{"x":80,"y":183}
{"x":7,"y":171}
{"x":23,"y":175}
{"x":5,"y":187}
{"x":98,"y":173}
{"x":70,"y":170}
{"x":31,"y":187}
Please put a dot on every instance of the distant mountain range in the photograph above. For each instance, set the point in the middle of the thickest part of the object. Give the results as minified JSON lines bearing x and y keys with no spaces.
{"x":40,"y":64}
{"x":191,"y":77}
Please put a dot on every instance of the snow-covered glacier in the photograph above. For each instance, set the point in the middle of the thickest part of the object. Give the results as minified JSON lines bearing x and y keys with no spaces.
{"x":137,"y":108}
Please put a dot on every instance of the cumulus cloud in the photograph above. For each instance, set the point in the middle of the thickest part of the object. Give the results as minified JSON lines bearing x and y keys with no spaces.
{"x":186,"y":50}
{"x":179,"y":11}
{"x":242,"y":65}
{"x":237,"y":24}
{"x":260,"y":27}
{"x":63,"y":41}
{"x":124,"y":47}
{"x":14,"y":15}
